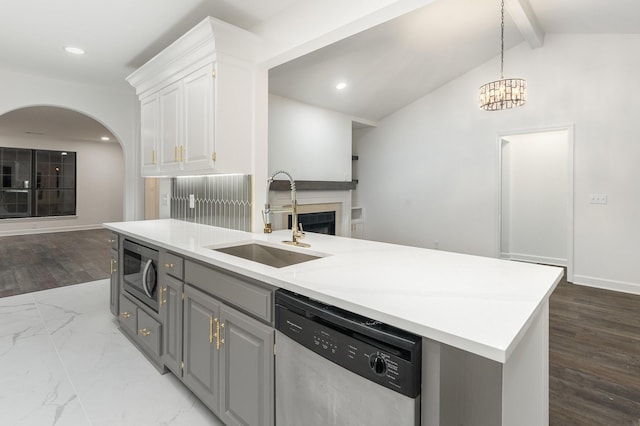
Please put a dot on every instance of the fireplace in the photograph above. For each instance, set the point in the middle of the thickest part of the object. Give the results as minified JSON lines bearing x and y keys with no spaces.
{"x":337,"y":203}
{"x":319,"y":222}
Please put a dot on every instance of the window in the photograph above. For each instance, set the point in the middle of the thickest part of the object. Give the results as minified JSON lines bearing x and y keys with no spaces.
{"x":37,"y":183}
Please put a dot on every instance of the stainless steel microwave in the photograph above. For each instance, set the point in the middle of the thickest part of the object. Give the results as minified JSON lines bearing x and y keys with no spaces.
{"x":139,"y":273}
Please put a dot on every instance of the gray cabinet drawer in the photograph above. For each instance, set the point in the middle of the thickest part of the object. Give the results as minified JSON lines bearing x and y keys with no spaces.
{"x":250,"y":296}
{"x":149,"y":332}
{"x":172,"y":265}
{"x":128,"y":316}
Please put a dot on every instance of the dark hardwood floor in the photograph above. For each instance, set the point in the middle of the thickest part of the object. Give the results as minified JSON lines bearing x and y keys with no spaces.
{"x":594,"y":336}
{"x":37,"y":262}
{"x":594,"y":357}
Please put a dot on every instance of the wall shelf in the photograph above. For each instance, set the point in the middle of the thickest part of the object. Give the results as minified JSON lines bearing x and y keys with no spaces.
{"x":314,"y":185}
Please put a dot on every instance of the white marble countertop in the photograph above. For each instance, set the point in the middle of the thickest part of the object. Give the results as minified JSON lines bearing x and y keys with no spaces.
{"x":477,"y":304}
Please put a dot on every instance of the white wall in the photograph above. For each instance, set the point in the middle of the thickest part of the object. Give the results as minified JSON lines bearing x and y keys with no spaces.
{"x":99,"y":186}
{"x":535,"y":197}
{"x":114,"y":107}
{"x":429,"y":172}
{"x":310,"y":143}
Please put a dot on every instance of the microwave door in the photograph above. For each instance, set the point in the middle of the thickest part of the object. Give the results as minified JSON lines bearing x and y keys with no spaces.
{"x":149,"y":278}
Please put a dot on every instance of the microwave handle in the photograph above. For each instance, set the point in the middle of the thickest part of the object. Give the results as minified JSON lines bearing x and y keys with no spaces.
{"x":145,"y":272}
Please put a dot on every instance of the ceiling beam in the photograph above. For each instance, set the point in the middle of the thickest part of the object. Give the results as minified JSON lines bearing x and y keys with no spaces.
{"x":526,"y":21}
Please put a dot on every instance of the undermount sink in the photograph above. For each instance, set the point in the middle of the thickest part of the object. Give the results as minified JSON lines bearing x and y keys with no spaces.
{"x":267,"y":255}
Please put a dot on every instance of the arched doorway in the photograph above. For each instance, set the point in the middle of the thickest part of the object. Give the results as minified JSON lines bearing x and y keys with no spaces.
{"x":99,"y":166}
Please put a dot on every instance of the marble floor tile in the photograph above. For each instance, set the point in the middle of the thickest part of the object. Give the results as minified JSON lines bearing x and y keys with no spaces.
{"x":63,"y":361}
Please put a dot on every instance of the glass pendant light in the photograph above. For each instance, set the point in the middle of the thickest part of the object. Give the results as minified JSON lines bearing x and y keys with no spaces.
{"x":506,"y":92}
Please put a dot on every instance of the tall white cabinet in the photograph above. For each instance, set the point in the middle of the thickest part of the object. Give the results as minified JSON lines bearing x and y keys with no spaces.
{"x":196,"y":103}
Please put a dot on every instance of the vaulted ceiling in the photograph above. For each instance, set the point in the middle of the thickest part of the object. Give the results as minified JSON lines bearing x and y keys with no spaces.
{"x":397,"y":61}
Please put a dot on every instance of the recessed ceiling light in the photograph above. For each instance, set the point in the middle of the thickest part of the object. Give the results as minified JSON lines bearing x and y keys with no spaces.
{"x":105,"y":138}
{"x":342,"y":85}
{"x":74,"y":50}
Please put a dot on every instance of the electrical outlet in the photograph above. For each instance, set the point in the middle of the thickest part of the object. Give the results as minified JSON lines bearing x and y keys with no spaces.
{"x":192,"y":201}
{"x":598,"y":199}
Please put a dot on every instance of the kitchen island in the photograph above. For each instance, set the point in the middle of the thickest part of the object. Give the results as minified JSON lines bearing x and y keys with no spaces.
{"x":484,"y":321}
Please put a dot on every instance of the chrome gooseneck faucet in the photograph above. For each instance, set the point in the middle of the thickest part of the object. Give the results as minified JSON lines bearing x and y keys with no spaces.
{"x":297,"y":232}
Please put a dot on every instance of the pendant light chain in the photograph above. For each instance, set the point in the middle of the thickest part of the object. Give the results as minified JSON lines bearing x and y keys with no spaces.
{"x":502,"y":41}
{"x":504,"y":93}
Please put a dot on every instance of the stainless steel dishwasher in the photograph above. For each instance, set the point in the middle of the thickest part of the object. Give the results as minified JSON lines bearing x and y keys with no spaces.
{"x":334,"y":367}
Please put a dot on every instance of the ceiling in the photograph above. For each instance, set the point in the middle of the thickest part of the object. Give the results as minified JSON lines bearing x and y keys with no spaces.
{"x":396,"y":62}
{"x":53,"y":123}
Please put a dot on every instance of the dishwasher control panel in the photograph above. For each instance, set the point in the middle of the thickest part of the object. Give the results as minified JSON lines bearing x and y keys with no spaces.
{"x":370,"y":354}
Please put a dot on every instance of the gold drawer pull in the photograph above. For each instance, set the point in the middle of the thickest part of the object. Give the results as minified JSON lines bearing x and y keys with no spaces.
{"x":111,"y":240}
{"x":125,"y":314}
{"x":145,"y":332}
{"x":211,"y":335}
{"x":168,"y":265}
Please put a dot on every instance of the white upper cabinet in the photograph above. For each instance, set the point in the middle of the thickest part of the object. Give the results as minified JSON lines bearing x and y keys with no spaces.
{"x":149,"y":134}
{"x":196,"y":103}
{"x":171,"y":118}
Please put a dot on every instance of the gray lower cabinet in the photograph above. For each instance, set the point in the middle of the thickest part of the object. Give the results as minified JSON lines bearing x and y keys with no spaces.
{"x":170,"y":310}
{"x":114,"y":296}
{"x":128,"y":315}
{"x":228,"y":360}
{"x":246,"y":370}
{"x":142,"y":328}
{"x":201,"y":346}
{"x":213,"y":331}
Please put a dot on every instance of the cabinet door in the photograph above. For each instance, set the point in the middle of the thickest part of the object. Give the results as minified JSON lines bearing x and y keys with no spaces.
{"x":233,"y":132}
{"x":149,"y":128}
{"x":170,"y":132}
{"x":170,"y":308}
{"x":198,"y":119}
{"x":246,"y":370}
{"x":115,"y":285}
{"x":201,"y":357}
{"x":128,"y":315}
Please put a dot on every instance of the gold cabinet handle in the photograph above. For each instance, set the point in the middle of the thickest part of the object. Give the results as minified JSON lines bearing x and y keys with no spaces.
{"x":221,"y":325}
{"x":211,"y":335}
{"x":113,"y":266}
{"x":111,"y":240}
{"x":182,"y":153}
{"x":161,"y":301}
{"x":125,"y":314}
{"x":154,"y":160}
{"x":145,"y":332}
{"x":217,"y":334}
{"x":168,"y":265}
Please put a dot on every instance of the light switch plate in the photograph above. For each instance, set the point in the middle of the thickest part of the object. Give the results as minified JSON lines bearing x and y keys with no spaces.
{"x":192,"y":201}
{"x":598,"y":199}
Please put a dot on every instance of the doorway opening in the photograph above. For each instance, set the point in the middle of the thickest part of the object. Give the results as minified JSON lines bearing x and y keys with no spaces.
{"x":535,"y":207}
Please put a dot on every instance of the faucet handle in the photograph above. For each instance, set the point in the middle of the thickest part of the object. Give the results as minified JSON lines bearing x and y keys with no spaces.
{"x":267,"y":223}
{"x":299,"y":232}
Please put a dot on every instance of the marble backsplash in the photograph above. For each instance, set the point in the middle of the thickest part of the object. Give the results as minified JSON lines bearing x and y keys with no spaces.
{"x":219,"y":200}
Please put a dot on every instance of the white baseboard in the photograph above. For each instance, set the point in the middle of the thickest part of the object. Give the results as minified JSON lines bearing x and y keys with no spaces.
{"x":621,"y":286}
{"x":49,"y":230}
{"x":534,"y":259}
